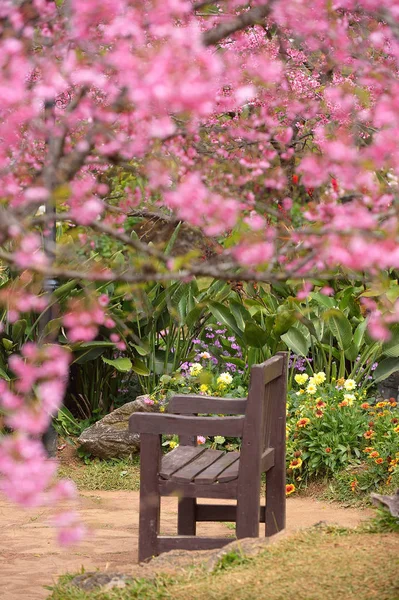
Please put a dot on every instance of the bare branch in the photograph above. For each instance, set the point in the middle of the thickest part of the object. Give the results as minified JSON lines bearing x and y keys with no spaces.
{"x":247,"y":19}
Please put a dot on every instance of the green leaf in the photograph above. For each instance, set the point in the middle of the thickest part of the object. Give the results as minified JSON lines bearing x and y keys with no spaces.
{"x":4,"y":375}
{"x":140,"y":350}
{"x":340,"y":327}
{"x":223,"y":315}
{"x":255,"y":336}
{"x":323,"y":300}
{"x":65,"y":289}
{"x":18,"y":329}
{"x":391,"y":348}
{"x":385,"y":368}
{"x":359,"y":334}
{"x":140,"y":368}
{"x":7,"y":344}
{"x":296,"y":341}
{"x":194,"y":315}
{"x":240,"y":314}
{"x":219,"y":439}
{"x":124,"y":365}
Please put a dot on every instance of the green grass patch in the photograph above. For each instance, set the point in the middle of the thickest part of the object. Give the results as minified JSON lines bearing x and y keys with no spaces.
{"x":123,"y":474}
{"x":313,"y":565}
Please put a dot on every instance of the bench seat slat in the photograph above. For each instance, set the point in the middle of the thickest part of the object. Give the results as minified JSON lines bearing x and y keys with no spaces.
{"x":178,"y":458}
{"x":212,"y":473}
{"x":230,"y":473}
{"x":188,"y":472}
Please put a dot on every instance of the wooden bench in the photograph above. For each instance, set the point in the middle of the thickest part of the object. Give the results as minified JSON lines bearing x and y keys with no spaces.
{"x":192,"y":472}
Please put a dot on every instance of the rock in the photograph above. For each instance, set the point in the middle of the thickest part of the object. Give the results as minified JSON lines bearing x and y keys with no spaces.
{"x":106,"y":581}
{"x":110,"y":437}
{"x":390,"y":502}
{"x":389,"y":387}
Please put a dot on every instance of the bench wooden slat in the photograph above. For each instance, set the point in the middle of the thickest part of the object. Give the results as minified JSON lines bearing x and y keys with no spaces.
{"x":178,"y":458}
{"x":230,"y":473}
{"x":212,"y":473}
{"x":192,"y":469}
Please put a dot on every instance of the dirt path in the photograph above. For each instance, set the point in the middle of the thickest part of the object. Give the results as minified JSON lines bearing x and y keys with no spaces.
{"x":30,"y":559}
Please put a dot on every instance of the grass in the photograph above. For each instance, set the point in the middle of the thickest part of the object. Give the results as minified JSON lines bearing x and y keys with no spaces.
{"x":313,"y":565}
{"x":98,"y":474}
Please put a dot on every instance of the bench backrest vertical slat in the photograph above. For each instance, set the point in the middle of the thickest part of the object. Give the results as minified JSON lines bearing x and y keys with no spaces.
{"x":265,"y":405}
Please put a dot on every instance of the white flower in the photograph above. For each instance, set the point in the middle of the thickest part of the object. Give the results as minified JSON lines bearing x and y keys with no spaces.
{"x":195,"y":369}
{"x":311,"y":388}
{"x":224,"y":379}
{"x":350,"y":385}
{"x":205,"y":355}
{"x":349,"y":398}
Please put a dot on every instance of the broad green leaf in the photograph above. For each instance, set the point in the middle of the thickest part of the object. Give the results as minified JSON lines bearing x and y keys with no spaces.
{"x":194,"y":315}
{"x":385,"y":368}
{"x":240,"y":314}
{"x":340,"y":327}
{"x":3,"y":375}
{"x":223,"y":315}
{"x":18,"y":329}
{"x":323,"y":300}
{"x":124,"y":365}
{"x":141,"y":350}
{"x":284,"y":321}
{"x":254,"y":335}
{"x":296,"y":341}
{"x":65,"y":289}
{"x":359,"y":334}
{"x":140,"y":368}
{"x":391,"y":348}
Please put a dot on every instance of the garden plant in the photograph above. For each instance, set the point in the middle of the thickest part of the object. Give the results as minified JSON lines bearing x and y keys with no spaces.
{"x":171,"y":165}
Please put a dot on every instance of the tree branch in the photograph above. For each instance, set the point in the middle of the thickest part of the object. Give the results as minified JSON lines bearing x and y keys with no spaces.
{"x":251,"y":17}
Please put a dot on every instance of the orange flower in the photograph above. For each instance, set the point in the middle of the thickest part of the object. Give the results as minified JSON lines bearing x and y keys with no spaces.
{"x":328,"y":450}
{"x":368,"y":449}
{"x":396,"y":429}
{"x":393,"y":403}
{"x":381,"y":404}
{"x":378,"y":461}
{"x":320,"y":404}
{"x":369,"y":434}
{"x":341,"y":381}
{"x":319,"y":413}
{"x":354,"y":485}
{"x":343,"y":403}
{"x":374,"y":454}
{"x":303,"y":422}
{"x":296,"y":463}
{"x":289,"y":489}
{"x":365,"y":405}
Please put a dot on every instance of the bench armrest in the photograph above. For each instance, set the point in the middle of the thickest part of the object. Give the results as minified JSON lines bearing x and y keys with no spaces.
{"x":184,"y":425}
{"x":206,"y":405}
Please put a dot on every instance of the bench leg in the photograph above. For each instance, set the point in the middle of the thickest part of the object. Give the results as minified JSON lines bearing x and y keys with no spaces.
{"x":150,"y":501}
{"x":275,"y":500}
{"x":186,"y":522}
{"x":248,"y":512}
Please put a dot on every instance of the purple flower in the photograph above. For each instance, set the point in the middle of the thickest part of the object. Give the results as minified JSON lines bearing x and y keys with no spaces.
{"x":231,"y":339}
{"x":374,"y":366}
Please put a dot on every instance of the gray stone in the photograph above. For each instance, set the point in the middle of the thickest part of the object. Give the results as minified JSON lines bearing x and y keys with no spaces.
{"x":389,"y":387}
{"x":106,"y":581}
{"x":390,"y":502}
{"x":110,"y":437}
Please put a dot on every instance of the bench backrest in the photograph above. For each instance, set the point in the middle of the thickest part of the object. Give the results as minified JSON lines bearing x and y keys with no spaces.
{"x":265,"y":413}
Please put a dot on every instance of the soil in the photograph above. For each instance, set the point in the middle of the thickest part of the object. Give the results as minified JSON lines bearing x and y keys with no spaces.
{"x":31,"y":559}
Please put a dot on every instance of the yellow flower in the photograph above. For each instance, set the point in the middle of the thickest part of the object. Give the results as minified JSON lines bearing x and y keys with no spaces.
{"x":350,"y":385}
{"x":319,"y":378}
{"x":396,"y":429}
{"x":296,"y":463}
{"x":289,"y":489}
{"x":311,"y":388}
{"x":204,"y":388}
{"x":173,"y":444}
{"x":301,"y":379}
{"x":224,"y":379}
{"x":195,"y":369}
